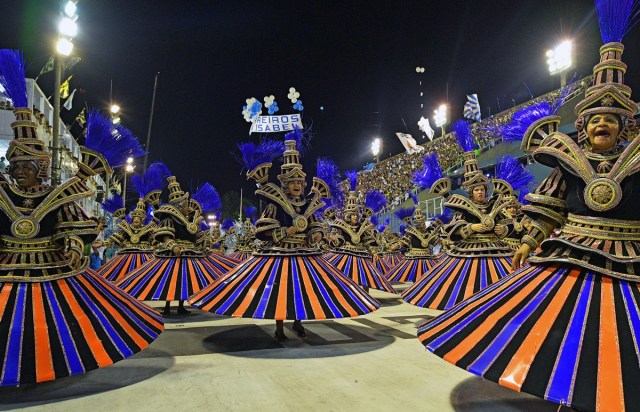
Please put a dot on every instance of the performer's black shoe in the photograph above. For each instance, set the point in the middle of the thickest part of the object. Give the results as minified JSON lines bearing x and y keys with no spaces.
{"x":183,"y":311}
{"x":166,"y":312}
{"x":299,"y":329}
{"x":280,"y":336}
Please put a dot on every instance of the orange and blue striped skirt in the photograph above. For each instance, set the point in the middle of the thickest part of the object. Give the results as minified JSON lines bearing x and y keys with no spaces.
{"x":69,"y":326}
{"x":122,"y":264}
{"x":221,"y":263}
{"x":410,"y":270}
{"x":455,"y":279}
{"x":169,"y":278}
{"x":362,"y":271}
{"x":559,"y":332}
{"x":240,"y":256}
{"x":285,"y":287}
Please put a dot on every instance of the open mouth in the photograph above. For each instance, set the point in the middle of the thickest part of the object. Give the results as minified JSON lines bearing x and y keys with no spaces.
{"x":602,"y":133}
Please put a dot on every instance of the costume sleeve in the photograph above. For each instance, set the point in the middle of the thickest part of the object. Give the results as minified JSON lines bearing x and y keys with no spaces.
{"x":268,"y":227}
{"x":458,"y":229}
{"x":165,"y":228}
{"x":547,"y":203}
{"x":74,"y":228}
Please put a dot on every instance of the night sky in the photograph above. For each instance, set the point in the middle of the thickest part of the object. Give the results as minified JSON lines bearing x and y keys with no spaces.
{"x":356,"y":59}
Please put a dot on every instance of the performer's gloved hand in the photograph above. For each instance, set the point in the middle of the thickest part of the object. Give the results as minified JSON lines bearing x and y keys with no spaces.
{"x":291,"y":230}
{"x":480,"y":228}
{"x":520,"y":256}
{"x":75,"y":258}
{"x":316,"y":237}
{"x":500,"y":230}
{"x":176,"y":250}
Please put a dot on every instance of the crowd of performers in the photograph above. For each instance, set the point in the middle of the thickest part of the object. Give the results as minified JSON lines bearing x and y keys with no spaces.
{"x":539,"y":290}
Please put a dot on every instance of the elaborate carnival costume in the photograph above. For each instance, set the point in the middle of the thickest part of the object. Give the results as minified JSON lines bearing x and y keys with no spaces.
{"x":475,"y":256}
{"x":57,"y":317}
{"x":352,"y":235}
{"x":134,"y":236}
{"x":286,"y":278}
{"x":245,"y":240}
{"x":180,"y":266}
{"x":390,"y":257}
{"x":566,"y":328}
{"x":419,"y":241}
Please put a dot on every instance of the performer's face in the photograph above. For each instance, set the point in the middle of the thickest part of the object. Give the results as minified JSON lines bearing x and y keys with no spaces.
{"x":479,"y":193}
{"x":295,"y":188}
{"x":136,"y":221}
{"x":24,"y":173}
{"x":603,"y":130}
{"x":353,"y":219}
{"x":511,"y":211}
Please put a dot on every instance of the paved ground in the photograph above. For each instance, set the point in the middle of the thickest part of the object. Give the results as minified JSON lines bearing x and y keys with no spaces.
{"x":207,"y":362}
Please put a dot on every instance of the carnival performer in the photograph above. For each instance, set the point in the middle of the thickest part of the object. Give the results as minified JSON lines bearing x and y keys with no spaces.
{"x":180,"y":266}
{"x":135,"y":233}
{"x":391,"y":255}
{"x":245,"y":240}
{"x":380,"y":251}
{"x":352,"y":236}
{"x":475,"y":257}
{"x":566,"y":328}
{"x":418,"y":241}
{"x":513,"y":172}
{"x":286,"y":278}
{"x":58,"y":317}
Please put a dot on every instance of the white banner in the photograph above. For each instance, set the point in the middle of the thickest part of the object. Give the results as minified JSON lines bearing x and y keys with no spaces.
{"x":274,"y":124}
{"x":409,"y":143}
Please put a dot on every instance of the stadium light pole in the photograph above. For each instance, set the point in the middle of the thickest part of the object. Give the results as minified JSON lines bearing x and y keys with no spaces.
{"x":128,"y":168}
{"x":67,"y":30}
{"x":560,"y":60}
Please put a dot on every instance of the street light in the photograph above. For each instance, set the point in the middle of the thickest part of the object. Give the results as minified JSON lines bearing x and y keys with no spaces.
{"x":560,"y":60}
{"x":128,"y":168}
{"x":67,"y":30}
{"x":440,"y":117}
{"x":115,"y":109}
{"x":376,"y":147}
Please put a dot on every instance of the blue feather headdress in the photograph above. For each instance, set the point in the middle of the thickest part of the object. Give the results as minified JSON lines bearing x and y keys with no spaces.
{"x":430,"y":172}
{"x":383,"y":226}
{"x":329,"y":172}
{"x":302,"y":139}
{"x":253,"y":155}
{"x":352,"y":176}
{"x":116,"y":144}
{"x":208,"y":198}
{"x":227,"y":224}
{"x":404,"y":213}
{"x":513,"y":172}
{"x":375,"y":200}
{"x":445,"y":217}
{"x":402,"y":228}
{"x":616,"y":18}
{"x":113,"y":203}
{"x":414,"y":197}
{"x":12,"y":77}
{"x":524,"y":191}
{"x":463,"y":135}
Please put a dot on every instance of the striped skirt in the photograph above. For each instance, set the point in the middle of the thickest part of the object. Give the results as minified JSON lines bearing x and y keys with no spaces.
{"x":221,"y":264}
{"x":285,"y":287}
{"x":394,"y":259}
{"x":558,"y":332}
{"x":69,"y":326}
{"x":122,"y":264}
{"x":410,"y":270}
{"x":240,"y":256}
{"x":362,"y":271}
{"x":170,"y":278}
{"x":455,"y":279}
{"x":381,"y":264}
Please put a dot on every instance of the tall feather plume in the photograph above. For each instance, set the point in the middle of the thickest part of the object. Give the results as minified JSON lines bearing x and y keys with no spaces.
{"x":431,"y":171}
{"x":402,"y":228}
{"x":328,"y":171}
{"x":375,"y":219}
{"x":463,"y":135}
{"x":250,"y":211}
{"x":12,"y":76}
{"x":113,"y":203}
{"x":352,"y":176}
{"x":513,"y":172}
{"x":137,"y":182}
{"x":381,"y":227}
{"x":227,"y":224}
{"x":414,"y":197}
{"x":445,"y":217}
{"x":524,"y":191}
{"x":208,"y":197}
{"x":616,"y":18}
{"x":252,"y":155}
{"x":404,"y":212}
{"x":375,"y":200}
{"x":155,"y":178}
{"x":116,"y":144}
{"x":301,"y":138}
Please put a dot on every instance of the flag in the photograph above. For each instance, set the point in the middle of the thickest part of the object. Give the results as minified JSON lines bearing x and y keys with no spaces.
{"x":69,"y":103}
{"x":64,"y":88}
{"x":70,"y":62}
{"x":472,"y":108}
{"x":80,"y":118}
{"x":47,"y":67}
{"x":409,"y":143}
{"x":424,"y":125}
